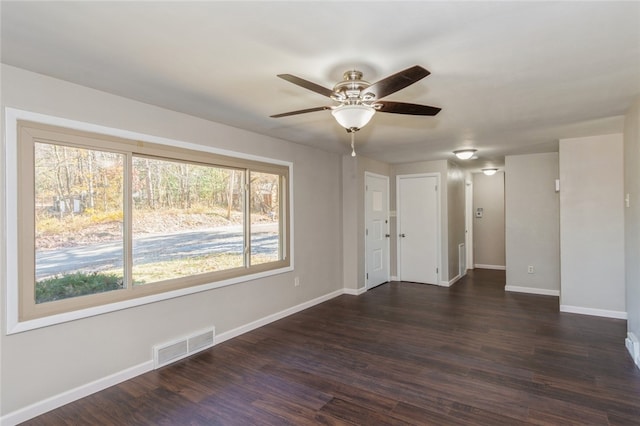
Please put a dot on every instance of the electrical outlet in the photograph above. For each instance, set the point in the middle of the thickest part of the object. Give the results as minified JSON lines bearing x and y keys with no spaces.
{"x":529,"y":269}
{"x":296,"y":281}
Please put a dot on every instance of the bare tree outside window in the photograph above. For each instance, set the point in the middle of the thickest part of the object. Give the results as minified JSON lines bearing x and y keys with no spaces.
{"x":265,"y":217}
{"x":187,"y":219}
{"x":79,"y":214}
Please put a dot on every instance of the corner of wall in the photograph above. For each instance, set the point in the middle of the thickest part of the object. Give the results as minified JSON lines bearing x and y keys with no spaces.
{"x":631,"y":194}
{"x":633,"y":346}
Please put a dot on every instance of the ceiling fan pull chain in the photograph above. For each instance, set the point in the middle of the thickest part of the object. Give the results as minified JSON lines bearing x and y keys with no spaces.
{"x":353,"y":150}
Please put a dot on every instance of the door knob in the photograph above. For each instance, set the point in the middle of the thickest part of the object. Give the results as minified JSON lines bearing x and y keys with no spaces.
{"x":387,"y":235}
{"x":402,"y":235}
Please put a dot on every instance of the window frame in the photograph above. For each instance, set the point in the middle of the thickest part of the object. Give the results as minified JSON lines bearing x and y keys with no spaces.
{"x":23,"y":314}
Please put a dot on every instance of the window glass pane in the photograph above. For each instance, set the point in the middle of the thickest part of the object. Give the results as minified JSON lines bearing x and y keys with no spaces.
{"x":187,"y":219}
{"x":265,"y":218}
{"x":79,"y":246}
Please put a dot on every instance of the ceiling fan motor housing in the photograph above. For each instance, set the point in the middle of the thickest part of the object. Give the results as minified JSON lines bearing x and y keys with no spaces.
{"x":350,"y":89}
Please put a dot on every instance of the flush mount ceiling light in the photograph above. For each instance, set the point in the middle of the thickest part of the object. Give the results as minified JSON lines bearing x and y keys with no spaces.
{"x":353,"y":116}
{"x":489,"y":172}
{"x":465,"y":154}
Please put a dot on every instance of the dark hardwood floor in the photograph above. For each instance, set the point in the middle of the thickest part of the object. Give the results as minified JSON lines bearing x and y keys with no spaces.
{"x":401,"y":353}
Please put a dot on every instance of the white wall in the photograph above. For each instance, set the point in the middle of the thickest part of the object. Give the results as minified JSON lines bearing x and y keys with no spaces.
{"x":532,"y":223}
{"x":632,"y":225}
{"x":350,"y":222}
{"x":47,"y":362}
{"x":592,"y":226}
{"x":488,"y":231}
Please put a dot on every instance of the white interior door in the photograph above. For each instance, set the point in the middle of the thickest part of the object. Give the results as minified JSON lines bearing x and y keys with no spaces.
{"x":418,"y":228}
{"x":376,"y":229}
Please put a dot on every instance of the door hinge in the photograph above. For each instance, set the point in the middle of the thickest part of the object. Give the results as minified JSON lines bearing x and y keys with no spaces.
{"x":366,"y":232}
{"x":367,"y":275}
{"x":437,"y":271}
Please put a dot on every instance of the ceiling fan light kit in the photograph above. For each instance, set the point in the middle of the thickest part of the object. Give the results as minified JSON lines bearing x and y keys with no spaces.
{"x":353,"y":116}
{"x":359,"y":100}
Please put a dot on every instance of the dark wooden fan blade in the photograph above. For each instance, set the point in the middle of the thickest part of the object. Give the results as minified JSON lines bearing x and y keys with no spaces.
{"x":307,"y":84}
{"x":301,"y":111}
{"x":405,"y":108}
{"x":397,"y":81}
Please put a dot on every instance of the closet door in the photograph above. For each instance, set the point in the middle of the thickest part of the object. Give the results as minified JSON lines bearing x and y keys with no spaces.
{"x":418,"y":228}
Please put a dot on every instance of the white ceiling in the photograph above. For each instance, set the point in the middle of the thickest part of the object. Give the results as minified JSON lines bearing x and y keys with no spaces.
{"x":510,"y":77}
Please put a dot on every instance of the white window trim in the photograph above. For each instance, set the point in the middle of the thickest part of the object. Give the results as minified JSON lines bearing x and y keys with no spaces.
{"x":12,"y":116}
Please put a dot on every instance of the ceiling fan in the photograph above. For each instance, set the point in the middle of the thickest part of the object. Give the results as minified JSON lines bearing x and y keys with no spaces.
{"x":359,"y":100}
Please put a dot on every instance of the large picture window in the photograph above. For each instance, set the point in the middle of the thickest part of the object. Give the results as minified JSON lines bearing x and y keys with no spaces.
{"x":105,"y":219}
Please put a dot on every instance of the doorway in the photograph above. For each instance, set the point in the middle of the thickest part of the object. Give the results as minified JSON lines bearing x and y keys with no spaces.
{"x":468,"y":224}
{"x":489,"y":221}
{"x":418,"y":211}
{"x":376,"y":229}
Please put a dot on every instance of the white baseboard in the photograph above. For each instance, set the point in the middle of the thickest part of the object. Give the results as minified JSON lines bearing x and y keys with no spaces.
{"x":451,"y":281}
{"x":56,"y":401}
{"x":593,"y":312}
{"x":496,"y":267}
{"x":278,"y":315}
{"x":394,"y":278}
{"x":355,"y":291}
{"x":441,"y":283}
{"x":532,"y":290}
{"x":633,"y":346}
{"x":67,"y":397}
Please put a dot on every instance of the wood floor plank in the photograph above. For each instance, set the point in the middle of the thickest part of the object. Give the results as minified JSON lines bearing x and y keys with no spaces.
{"x":426,"y":416}
{"x":401,"y":353}
{"x":476,"y":415}
{"x":356,"y":414}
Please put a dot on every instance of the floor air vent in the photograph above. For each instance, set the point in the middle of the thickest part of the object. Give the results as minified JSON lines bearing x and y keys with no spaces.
{"x":167,"y":353}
